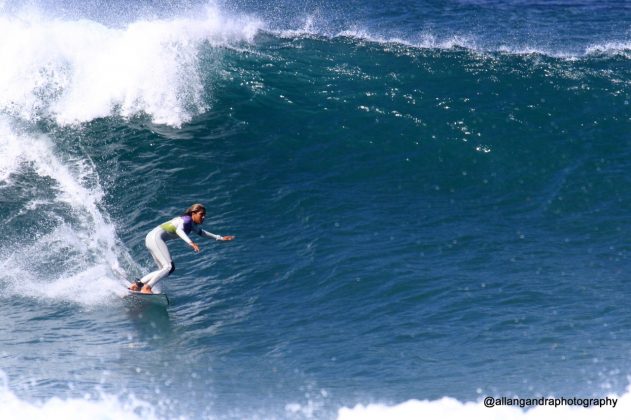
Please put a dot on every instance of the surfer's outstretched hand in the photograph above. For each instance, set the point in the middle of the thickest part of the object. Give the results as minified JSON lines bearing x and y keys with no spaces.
{"x":226,"y":238}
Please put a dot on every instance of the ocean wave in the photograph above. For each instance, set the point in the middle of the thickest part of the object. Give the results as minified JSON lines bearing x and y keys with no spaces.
{"x":428,"y":41}
{"x":75,"y":71}
{"x":60,"y":200}
{"x":107,"y":406}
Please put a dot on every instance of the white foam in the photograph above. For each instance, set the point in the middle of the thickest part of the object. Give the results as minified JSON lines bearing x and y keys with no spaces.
{"x":105,"y":408}
{"x":427,"y":40}
{"x":76,"y":71}
{"x":610,"y":48}
{"x":80,"y":245}
{"x":452,"y":409}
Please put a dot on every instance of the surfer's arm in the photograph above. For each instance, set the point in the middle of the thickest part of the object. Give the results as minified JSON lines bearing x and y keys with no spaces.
{"x":206,"y":234}
{"x":179,"y":231}
{"x":185,"y":238}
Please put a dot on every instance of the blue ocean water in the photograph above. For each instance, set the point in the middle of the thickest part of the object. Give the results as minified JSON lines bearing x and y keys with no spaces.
{"x":429,"y":200}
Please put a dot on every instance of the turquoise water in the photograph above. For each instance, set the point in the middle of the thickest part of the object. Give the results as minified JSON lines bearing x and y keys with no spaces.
{"x":429,"y":200}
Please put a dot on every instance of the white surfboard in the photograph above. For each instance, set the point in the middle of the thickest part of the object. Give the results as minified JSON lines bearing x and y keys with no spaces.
{"x":153,"y":298}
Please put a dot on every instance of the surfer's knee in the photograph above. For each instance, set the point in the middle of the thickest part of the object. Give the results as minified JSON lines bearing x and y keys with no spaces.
{"x":171,"y":268}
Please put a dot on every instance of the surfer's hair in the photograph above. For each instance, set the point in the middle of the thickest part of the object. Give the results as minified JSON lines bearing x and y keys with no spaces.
{"x":195,"y":208}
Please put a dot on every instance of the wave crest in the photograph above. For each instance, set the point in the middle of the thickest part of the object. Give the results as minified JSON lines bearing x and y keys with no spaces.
{"x":76,"y":71}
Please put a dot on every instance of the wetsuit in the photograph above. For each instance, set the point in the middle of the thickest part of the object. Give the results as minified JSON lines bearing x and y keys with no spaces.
{"x":155,"y":242}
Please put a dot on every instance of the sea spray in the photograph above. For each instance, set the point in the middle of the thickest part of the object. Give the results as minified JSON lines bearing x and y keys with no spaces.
{"x":74,"y":71}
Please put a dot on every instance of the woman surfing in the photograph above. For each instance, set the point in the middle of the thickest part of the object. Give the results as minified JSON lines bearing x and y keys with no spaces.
{"x":178,"y":227}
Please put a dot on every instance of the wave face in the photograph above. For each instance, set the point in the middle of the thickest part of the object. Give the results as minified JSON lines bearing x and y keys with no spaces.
{"x":429,"y":199}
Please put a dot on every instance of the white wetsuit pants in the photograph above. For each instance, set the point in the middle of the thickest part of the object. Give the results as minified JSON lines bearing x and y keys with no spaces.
{"x":155,"y":243}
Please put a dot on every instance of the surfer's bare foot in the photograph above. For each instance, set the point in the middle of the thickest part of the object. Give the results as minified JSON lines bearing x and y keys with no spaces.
{"x":134,"y":287}
{"x":146,"y":289}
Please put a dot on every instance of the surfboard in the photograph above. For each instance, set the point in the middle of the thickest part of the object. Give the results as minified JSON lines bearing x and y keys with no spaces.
{"x":153,"y":298}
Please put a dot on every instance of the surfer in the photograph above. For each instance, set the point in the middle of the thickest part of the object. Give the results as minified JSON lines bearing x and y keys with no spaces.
{"x":155,"y":242}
